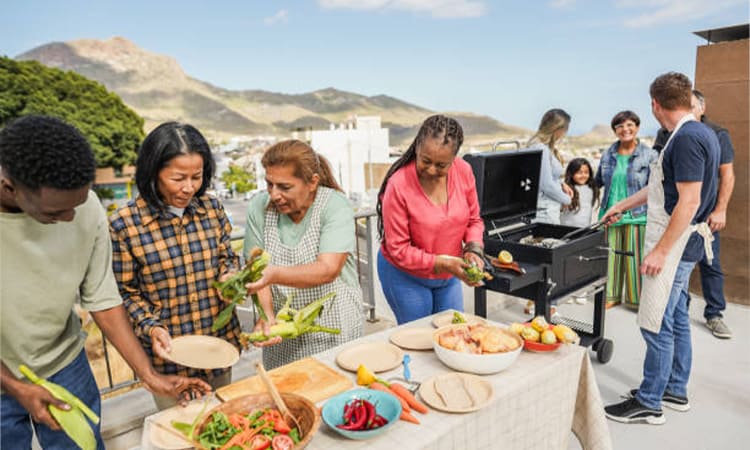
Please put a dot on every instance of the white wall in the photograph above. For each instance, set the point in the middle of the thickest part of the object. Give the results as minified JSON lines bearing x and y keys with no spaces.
{"x":349,"y":147}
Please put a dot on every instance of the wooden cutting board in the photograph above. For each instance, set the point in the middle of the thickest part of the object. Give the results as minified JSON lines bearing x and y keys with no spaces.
{"x":307,"y":377}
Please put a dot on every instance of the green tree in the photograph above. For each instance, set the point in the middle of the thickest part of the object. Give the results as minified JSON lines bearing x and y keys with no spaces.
{"x":242,"y":180}
{"x":113,"y":130}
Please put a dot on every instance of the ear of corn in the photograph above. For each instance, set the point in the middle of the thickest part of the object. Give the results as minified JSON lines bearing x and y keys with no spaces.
{"x":565,"y":334}
{"x":73,"y":421}
{"x":300,"y":322}
{"x":233,"y":288}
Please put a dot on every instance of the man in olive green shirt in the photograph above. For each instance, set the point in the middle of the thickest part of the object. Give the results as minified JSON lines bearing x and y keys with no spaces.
{"x":56,"y":250}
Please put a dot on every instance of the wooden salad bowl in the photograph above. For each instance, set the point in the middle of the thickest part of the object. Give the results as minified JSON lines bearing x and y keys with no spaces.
{"x":305,"y":411}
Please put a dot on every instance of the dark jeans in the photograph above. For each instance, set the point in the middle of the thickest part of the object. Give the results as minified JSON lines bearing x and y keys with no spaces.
{"x":712,"y":283}
{"x":16,"y":423}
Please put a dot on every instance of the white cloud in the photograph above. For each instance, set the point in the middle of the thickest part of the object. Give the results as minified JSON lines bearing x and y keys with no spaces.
{"x":657,"y":12}
{"x":282,"y":16}
{"x":443,"y":9}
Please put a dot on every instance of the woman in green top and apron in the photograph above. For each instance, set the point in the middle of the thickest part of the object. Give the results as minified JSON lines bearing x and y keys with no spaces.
{"x":305,"y":222}
{"x":623,"y":171}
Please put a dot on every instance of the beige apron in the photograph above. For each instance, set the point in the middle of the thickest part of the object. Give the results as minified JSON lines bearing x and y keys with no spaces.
{"x":655,"y":290}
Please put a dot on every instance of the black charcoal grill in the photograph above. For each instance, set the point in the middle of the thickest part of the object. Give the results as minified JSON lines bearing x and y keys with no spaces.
{"x":507,"y":187}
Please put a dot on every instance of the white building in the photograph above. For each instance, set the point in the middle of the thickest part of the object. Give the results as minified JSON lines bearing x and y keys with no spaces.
{"x":349,"y":147}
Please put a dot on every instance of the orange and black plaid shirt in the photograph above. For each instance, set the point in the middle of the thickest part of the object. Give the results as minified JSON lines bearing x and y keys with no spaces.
{"x":165,"y":266}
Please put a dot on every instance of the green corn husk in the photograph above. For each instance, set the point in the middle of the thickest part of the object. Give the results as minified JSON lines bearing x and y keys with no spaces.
{"x":291,"y":323}
{"x":233,"y":288}
{"x":73,"y":421}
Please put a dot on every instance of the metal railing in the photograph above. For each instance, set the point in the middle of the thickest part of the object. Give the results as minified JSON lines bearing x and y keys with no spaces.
{"x":364,"y":257}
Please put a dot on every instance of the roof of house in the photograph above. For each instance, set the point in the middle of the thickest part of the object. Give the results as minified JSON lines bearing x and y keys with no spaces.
{"x":731,"y":33}
{"x":107,"y":175}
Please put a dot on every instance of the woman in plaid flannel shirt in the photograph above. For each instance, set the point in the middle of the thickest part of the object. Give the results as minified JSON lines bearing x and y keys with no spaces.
{"x":169,"y":245}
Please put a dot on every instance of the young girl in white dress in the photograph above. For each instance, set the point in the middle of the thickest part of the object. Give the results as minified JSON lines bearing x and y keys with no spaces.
{"x":580,"y":212}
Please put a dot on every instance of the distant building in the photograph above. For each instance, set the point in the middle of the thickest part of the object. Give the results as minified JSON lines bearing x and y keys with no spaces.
{"x":350,"y":147}
{"x":121,"y":182}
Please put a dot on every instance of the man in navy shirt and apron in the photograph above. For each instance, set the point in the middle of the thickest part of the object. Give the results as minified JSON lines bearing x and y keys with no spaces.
{"x":681,"y":194}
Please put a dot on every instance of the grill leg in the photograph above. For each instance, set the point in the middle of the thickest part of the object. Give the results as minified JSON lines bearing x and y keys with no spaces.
{"x":599,"y":310}
{"x":480,"y":302}
{"x":541,"y":305}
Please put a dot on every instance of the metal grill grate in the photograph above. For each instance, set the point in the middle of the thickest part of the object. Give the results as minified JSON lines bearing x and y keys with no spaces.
{"x":577,"y":325}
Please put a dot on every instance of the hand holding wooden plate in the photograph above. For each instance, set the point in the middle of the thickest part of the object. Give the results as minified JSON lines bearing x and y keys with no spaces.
{"x":203,"y":352}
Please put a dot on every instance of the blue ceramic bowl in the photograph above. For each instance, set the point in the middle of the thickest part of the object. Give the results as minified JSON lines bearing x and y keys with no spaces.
{"x":385,"y":404}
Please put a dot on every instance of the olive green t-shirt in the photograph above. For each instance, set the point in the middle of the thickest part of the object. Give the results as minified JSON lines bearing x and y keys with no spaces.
{"x":44,"y":269}
{"x":336,"y":230}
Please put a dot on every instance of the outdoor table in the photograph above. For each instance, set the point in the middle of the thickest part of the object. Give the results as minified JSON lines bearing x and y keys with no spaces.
{"x":538,"y":400}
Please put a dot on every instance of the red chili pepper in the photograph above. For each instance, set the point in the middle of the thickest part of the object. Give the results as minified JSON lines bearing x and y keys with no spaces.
{"x":358,"y":422}
{"x":370,"y":409}
{"x":348,"y":411}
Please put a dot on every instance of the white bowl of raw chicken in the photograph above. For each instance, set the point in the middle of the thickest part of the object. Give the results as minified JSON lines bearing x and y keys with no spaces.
{"x":480,"y":349}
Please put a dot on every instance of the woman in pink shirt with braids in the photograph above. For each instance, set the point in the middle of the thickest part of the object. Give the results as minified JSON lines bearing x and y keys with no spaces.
{"x":429,"y":223}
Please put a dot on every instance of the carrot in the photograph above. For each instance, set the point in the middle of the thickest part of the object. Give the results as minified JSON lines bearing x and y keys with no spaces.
{"x":409,"y":397}
{"x":381,"y":387}
{"x":238,"y":439}
{"x":408,"y":417}
{"x":239,"y":421}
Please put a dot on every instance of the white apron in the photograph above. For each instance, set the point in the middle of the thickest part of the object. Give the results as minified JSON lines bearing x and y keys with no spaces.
{"x":344,"y":311}
{"x":655,"y":290}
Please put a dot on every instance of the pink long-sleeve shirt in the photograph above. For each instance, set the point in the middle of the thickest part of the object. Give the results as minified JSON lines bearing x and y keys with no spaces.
{"x":416,"y":230}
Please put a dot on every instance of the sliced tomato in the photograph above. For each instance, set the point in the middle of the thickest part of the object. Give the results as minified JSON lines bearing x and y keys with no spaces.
{"x":260,"y":442}
{"x":279,"y":424}
{"x":282,"y":442}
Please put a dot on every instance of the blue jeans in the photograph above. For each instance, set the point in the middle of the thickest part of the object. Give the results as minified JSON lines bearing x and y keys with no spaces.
{"x":712,"y":283}
{"x":669,"y":353}
{"x":16,"y":423}
{"x":412,"y":298}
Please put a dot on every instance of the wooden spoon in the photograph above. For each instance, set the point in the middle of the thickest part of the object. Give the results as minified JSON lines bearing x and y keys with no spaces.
{"x":285,"y":413}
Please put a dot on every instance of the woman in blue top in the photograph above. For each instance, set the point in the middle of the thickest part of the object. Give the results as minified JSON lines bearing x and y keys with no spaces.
{"x":553,"y":193}
{"x":624,"y":170}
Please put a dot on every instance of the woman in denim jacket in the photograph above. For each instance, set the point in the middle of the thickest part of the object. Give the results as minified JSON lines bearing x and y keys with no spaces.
{"x":623,"y":171}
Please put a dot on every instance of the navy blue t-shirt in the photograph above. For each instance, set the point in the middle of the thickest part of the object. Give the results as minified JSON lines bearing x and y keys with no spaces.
{"x":693,"y":155}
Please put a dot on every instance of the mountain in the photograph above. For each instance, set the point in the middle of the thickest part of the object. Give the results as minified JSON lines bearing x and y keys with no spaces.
{"x":600,"y":136}
{"x":158,"y":89}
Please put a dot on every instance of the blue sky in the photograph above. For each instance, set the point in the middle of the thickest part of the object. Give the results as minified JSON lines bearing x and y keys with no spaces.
{"x":509,"y":59}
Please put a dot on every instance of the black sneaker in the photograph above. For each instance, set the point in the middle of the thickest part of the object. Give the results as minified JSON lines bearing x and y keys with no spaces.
{"x":668,"y":400}
{"x":631,"y":411}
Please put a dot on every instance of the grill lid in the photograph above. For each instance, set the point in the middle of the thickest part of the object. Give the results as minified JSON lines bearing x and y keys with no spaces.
{"x":507,"y":184}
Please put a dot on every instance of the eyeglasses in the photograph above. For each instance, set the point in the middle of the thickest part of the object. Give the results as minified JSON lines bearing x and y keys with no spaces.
{"x":627,"y":124}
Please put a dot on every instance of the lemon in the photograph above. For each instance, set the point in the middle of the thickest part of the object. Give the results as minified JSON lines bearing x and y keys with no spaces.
{"x":505,"y":257}
{"x":365,"y":377}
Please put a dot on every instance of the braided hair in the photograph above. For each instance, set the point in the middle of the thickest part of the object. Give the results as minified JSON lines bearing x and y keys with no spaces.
{"x":434,"y":127}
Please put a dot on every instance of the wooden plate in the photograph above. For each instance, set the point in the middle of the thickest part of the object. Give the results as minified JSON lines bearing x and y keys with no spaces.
{"x":165,"y":440}
{"x":413,"y":338}
{"x":475,"y":388}
{"x":376,"y":356}
{"x":203,"y":352}
{"x":446,"y":318}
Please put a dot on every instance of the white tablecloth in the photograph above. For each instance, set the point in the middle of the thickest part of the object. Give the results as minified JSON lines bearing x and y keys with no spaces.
{"x":537,"y":402}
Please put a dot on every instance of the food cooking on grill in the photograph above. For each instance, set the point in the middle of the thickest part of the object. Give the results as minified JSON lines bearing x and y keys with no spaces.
{"x":478,"y":339}
{"x":541,"y":241}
